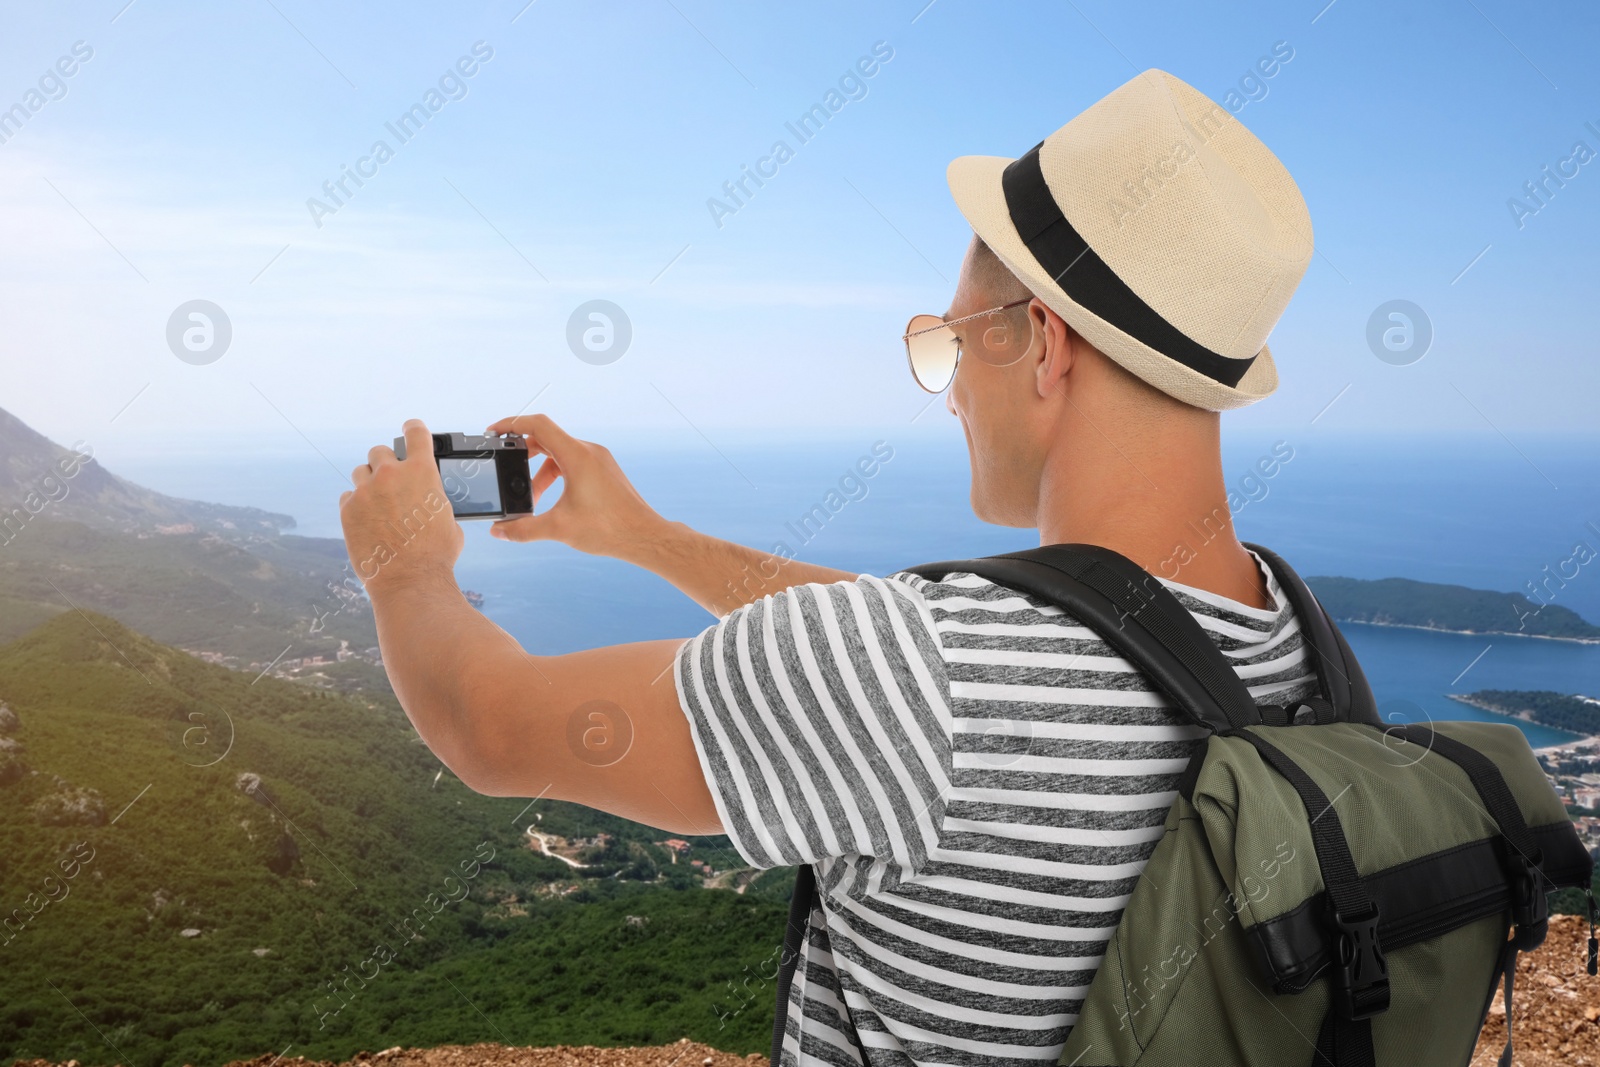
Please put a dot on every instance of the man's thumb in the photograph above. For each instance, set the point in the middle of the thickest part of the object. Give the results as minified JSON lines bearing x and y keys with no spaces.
{"x":523,"y":528}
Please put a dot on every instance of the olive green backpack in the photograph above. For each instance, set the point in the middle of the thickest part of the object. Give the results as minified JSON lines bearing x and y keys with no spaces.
{"x":1330,"y":890}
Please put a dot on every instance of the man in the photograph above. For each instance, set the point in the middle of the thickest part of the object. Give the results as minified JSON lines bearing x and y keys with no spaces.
{"x":977,"y":779}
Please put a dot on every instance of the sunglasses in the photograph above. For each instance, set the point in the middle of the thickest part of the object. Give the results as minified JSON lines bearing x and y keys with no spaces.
{"x":933,"y":348}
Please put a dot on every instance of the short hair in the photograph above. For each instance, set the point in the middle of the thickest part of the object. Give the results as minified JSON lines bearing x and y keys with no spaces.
{"x":994,"y":277}
{"x":1000,"y":286}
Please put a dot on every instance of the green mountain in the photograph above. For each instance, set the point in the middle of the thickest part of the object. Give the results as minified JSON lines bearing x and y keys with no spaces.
{"x":1403,"y":602}
{"x":197,"y":867}
{"x":38,"y":476}
{"x":206,"y":577}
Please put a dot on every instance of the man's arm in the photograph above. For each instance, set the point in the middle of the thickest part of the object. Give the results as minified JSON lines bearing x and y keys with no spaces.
{"x":601,"y":728}
{"x":601,"y":513}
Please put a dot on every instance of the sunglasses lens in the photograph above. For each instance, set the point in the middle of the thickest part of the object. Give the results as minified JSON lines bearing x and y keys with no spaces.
{"x":932,"y":349}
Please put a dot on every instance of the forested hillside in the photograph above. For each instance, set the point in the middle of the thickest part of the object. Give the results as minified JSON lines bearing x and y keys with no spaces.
{"x":197,"y":867}
{"x":1574,"y":714}
{"x":1403,"y":602}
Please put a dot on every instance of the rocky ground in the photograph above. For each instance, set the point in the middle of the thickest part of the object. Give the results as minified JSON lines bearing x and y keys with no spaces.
{"x":1557,"y":1025}
{"x":684,"y":1053}
{"x":1555,"y":1007}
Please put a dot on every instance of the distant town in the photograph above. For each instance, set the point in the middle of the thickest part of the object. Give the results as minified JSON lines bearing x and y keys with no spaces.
{"x":291,"y":666}
{"x":1574,"y":772}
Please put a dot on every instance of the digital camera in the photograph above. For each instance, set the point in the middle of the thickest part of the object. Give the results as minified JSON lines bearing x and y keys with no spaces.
{"x":484,"y":477}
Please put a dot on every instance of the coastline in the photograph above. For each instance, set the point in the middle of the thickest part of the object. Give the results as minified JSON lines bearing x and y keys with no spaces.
{"x":1578,"y":740}
{"x":1584,"y":742}
{"x":1471,"y":633}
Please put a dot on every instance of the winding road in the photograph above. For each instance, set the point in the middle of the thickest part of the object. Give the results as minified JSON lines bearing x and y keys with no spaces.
{"x":544,"y":846}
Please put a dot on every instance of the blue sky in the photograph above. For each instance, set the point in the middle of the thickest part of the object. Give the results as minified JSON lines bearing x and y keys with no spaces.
{"x":578,"y":163}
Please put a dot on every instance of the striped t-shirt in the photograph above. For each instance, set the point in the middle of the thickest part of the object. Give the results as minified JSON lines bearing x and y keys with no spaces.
{"x":978,"y":780}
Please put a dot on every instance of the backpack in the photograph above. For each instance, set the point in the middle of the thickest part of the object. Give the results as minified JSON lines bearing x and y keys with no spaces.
{"x":1329,"y":890}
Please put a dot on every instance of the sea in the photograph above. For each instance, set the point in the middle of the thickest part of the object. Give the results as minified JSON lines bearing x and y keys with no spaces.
{"x":1489,"y":512}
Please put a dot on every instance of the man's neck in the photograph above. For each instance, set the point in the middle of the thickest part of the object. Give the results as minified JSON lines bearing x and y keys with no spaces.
{"x":1160,"y":502}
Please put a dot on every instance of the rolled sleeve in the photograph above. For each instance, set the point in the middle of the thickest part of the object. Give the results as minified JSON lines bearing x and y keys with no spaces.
{"x":821,"y":718}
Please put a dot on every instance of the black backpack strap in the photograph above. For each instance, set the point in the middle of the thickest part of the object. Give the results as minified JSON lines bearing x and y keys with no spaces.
{"x":1360,"y":978}
{"x":1343,"y":1043}
{"x":1508,"y":971}
{"x":1134,"y":613}
{"x":1339,"y":677}
{"x":1359,"y":982}
{"x":1520,"y":856}
{"x":801,"y":901}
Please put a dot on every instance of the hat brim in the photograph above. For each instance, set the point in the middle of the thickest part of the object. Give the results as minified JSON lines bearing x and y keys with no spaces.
{"x":975,"y":183}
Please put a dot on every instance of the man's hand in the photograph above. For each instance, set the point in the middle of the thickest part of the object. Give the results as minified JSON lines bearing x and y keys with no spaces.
{"x":599,"y":512}
{"x":398,"y":526}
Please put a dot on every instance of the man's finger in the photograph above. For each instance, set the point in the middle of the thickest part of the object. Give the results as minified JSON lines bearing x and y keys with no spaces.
{"x":419,"y":443}
{"x":545,"y":477}
{"x":361,"y":475}
{"x":510,"y":424}
{"x":542,"y":433}
{"x":380,"y":454}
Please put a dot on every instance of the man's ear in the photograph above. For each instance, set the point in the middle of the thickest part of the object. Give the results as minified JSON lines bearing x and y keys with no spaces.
{"x":1058,"y":342}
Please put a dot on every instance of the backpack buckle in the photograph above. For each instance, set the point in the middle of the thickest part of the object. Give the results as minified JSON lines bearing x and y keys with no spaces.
{"x":1530,"y":908}
{"x":1361,"y":975}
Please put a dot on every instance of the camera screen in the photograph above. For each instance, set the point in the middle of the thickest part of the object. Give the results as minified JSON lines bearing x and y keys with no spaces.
{"x":471,"y":485}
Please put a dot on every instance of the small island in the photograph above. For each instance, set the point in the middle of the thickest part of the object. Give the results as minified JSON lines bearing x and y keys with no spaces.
{"x":1448,"y":608}
{"x":1575,"y":714}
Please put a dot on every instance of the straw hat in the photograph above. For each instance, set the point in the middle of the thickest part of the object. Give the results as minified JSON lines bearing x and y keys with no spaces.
{"x":1160,"y":229}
